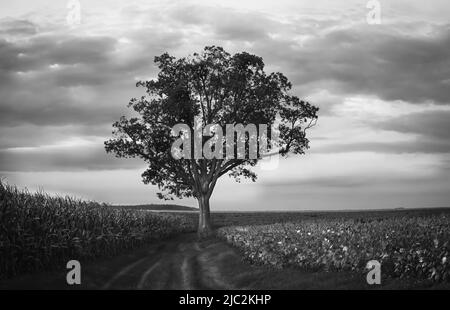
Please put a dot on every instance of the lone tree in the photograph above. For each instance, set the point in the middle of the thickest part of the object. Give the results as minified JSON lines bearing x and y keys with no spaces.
{"x":215,"y":88}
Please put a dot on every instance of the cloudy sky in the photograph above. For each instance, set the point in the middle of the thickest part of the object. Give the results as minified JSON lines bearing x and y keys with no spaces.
{"x":382,"y":140}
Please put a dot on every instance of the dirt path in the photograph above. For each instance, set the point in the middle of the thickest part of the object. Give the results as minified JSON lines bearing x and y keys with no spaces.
{"x":186,"y":263}
{"x":180,"y":263}
{"x":183,"y":262}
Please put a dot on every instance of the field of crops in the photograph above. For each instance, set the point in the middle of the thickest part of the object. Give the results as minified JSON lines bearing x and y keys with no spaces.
{"x":416,"y":247}
{"x":39,"y":232}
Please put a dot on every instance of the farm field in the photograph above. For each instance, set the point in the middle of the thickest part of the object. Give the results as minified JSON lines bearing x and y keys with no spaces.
{"x":221,"y":219}
{"x":185,"y":263}
{"x":39,"y":232}
{"x":132,"y":249}
{"x":414,"y":247}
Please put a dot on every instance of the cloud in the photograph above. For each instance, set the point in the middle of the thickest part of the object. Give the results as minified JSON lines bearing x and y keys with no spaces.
{"x":77,"y":83}
{"x":51,"y":79}
{"x":60,"y":108}
{"x":325,"y":182}
{"x":226,"y":23}
{"x":42,"y":50}
{"x":29,"y":135}
{"x":428,"y":133}
{"x":61,"y":89}
{"x":397,"y":60}
{"x":429,"y":124}
{"x":63,"y":158}
{"x":423,"y":130}
{"x":419,"y":145}
{"x":17,"y":27}
{"x":383,"y":61}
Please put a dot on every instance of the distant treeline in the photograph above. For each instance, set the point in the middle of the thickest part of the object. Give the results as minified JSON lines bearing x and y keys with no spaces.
{"x":158,"y":207}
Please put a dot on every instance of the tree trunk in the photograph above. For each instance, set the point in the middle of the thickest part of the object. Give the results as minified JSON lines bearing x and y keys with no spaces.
{"x":204,"y":221}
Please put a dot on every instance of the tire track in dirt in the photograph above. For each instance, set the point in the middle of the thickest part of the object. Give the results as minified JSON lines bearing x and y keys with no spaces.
{"x":122,"y":272}
{"x":182,"y":263}
{"x":211,"y":274}
{"x":186,"y":273}
{"x":146,"y":274}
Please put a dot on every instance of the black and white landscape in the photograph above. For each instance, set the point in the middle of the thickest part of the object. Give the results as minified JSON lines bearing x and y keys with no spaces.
{"x":115,"y":157}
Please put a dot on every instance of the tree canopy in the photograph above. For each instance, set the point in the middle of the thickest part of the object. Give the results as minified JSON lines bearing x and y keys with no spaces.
{"x":216,"y":88}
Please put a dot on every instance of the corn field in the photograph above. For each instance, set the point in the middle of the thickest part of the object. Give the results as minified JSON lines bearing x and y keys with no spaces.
{"x":41,"y":232}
